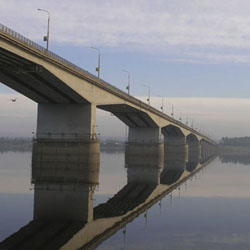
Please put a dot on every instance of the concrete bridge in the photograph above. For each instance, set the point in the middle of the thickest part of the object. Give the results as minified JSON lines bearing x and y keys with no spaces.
{"x":67,"y":98}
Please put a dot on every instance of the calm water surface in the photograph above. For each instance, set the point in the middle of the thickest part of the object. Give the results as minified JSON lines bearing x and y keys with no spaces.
{"x":209,"y":211}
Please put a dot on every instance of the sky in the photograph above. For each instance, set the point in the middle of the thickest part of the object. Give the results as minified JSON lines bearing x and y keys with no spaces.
{"x":195,"y":54}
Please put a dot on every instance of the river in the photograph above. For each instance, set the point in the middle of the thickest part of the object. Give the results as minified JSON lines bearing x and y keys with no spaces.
{"x":209,"y":210}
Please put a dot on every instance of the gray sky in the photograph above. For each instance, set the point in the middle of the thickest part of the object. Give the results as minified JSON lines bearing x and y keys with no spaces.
{"x":194,"y":53}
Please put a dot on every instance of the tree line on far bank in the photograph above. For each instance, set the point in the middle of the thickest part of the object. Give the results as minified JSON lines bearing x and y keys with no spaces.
{"x":235,"y":141}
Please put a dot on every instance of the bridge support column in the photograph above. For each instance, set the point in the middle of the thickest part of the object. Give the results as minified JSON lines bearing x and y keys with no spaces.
{"x":206,"y":151}
{"x":144,"y":148}
{"x":175,"y":147}
{"x":174,"y":144}
{"x":65,"y":138}
{"x":175,"y":158}
{"x":144,"y":156}
{"x":194,"y":150}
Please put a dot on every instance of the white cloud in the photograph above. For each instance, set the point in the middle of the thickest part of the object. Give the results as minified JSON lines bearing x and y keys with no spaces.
{"x":177,"y":27}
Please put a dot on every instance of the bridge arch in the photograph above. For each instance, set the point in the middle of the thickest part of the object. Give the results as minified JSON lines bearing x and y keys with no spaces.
{"x":173,"y":135}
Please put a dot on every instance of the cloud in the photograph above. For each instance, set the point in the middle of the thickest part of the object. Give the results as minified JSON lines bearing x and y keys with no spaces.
{"x":181,"y":29}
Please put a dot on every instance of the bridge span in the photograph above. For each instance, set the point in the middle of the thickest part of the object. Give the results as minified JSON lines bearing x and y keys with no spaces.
{"x":67,"y":98}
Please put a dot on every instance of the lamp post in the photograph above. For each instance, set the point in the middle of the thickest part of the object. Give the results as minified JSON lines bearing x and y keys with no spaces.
{"x":148,"y":99}
{"x":128,"y":86}
{"x":46,"y":38}
{"x":172,"y":113}
{"x":99,"y":61}
{"x":162,"y":103}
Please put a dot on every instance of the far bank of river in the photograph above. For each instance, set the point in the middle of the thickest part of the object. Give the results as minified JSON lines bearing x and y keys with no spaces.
{"x":234,"y":150}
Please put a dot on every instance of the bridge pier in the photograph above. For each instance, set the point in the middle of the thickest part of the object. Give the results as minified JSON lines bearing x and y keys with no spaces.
{"x":175,"y":158}
{"x":194,"y":150}
{"x":207,"y":150}
{"x":144,"y":144}
{"x":144,"y":154}
{"x":65,"y":169}
{"x":174,"y":143}
{"x":65,"y":139}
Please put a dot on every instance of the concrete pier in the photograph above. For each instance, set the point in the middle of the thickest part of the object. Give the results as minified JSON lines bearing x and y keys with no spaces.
{"x":65,"y":142}
{"x":174,"y":140}
{"x":144,"y":147}
{"x":194,"y":150}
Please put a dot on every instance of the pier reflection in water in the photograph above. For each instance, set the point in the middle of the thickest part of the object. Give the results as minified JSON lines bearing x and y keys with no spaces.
{"x":64,"y":217}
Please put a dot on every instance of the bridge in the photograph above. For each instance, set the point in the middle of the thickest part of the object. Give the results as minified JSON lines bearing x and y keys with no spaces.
{"x":68,"y":97}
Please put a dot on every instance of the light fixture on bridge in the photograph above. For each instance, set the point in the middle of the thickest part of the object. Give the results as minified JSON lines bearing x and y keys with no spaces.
{"x":162,"y":103}
{"x":98,"y":69}
{"x":148,"y":99}
{"x":172,"y":113}
{"x":128,"y":86}
{"x":46,"y":38}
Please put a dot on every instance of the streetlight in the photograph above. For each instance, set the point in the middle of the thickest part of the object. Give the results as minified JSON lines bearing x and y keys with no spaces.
{"x":180,"y":117}
{"x":99,"y":61}
{"x":46,"y":38}
{"x":192,"y":125}
{"x":148,"y":99}
{"x":128,"y":86}
{"x":172,"y":114}
{"x":162,"y":103}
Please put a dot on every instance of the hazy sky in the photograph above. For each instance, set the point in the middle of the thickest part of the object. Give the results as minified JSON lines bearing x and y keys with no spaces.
{"x":183,"y":49}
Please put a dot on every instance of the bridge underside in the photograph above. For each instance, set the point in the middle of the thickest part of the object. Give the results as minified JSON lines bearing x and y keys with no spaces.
{"x":34,"y":81}
{"x":132,"y":117}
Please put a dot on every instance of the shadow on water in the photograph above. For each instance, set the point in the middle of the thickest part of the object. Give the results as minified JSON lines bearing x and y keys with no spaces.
{"x":64,"y":214}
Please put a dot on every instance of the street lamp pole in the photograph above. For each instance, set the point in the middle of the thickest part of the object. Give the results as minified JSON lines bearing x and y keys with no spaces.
{"x":148,"y":99}
{"x":46,"y":38}
{"x":128,"y":86}
{"x":162,"y":103}
{"x":99,"y":61}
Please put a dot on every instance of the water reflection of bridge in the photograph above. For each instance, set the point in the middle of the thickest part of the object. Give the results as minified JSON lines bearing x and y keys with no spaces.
{"x":64,"y":216}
